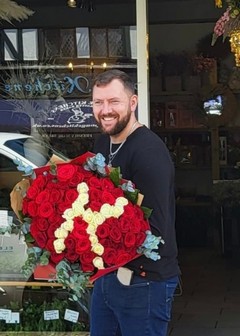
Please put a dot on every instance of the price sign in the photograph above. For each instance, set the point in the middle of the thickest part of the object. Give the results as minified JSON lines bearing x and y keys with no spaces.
{"x":51,"y":315}
{"x":15,"y":318}
{"x":71,"y":315}
{"x":5,"y":314}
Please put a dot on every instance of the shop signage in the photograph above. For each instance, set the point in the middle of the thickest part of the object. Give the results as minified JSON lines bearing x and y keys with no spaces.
{"x":66,"y":85}
{"x":60,"y":115}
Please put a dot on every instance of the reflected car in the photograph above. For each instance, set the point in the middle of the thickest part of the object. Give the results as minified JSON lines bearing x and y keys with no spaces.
{"x":30,"y":152}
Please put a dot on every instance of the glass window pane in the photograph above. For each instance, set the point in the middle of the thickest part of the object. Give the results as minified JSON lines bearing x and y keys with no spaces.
{"x":52,"y":43}
{"x":133,"y":42}
{"x":116,"y":43}
{"x":82,"y":40}
{"x":99,"y":43}
{"x":30,"y":44}
{"x":12,"y":35}
{"x":67,"y":43}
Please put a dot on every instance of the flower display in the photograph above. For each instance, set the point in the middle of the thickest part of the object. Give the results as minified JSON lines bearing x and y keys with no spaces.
{"x":85,"y":220}
{"x":229,"y":21}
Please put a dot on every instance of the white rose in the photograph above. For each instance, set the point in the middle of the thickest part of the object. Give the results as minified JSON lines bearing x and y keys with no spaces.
{"x":106,"y":210}
{"x":61,"y":233}
{"x":91,"y":229}
{"x":68,"y":214}
{"x":93,"y":239}
{"x":83,"y":198}
{"x":98,"y":249}
{"x":88,"y":216}
{"x":82,"y":188}
{"x":117,"y":211}
{"x":98,"y":262}
{"x":68,"y":225}
{"x":98,"y":218}
{"x":59,"y":245}
{"x":77,"y":208}
{"x":121,"y":201}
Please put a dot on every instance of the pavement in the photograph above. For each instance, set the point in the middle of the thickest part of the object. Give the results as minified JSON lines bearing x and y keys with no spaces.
{"x":208,"y":301}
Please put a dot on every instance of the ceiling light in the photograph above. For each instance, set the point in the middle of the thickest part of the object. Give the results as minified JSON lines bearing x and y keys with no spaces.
{"x":72,"y":3}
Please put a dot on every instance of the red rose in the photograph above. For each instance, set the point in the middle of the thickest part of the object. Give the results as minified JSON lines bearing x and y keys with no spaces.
{"x":41,"y":223}
{"x":109,"y":256}
{"x":55,"y":219}
{"x":76,"y":179}
{"x":83,"y":244}
{"x":95,"y":194}
{"x":87,"y":267}
{"x":71,"y":196}
{"x":40,"y":182}
{"x":138,"y":212}
{"x":56,"y":196}
{"x":115,"y":234}
{"x":46,"y":209}
{"x":32,"y":191}
{"x":130,"y":239}
{"x":49,"y":246}
{"x":41,"y":239}
{"x":43,"y":196}
{"x":80,"y":227}
{"x":108,"y":198}
{"x":34,"y":230}
{"x":32,"y":209}
{"x":107,"y":184}
{"x":94,"y":182}
{"x":117,"y":192}
{"x":87,"y":257}
{"x":57,"y":257}
{"x":70,"y":242}
{"x":125,"y":224}
{"x":95,"y":206}
{"x":129,"y":211}
{"x":141,"y":236}
{"x":71,"y":256}
{"x":66,"y":171}
{"x":123,"y":257}
{"x":102,"y":231}
{"x":52,"y":228}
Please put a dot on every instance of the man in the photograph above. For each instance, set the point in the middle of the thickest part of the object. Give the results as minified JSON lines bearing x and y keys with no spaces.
{"x":142,"y":307}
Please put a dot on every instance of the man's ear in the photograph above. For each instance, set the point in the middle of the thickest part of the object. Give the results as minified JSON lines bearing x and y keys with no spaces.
{"x":134,"y":102}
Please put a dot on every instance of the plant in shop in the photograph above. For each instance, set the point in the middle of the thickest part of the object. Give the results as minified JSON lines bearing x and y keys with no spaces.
{"x":229,"y":20}
{"x":32,"y":317}
{"x":228,"y":25}
{"x":84,"y":219}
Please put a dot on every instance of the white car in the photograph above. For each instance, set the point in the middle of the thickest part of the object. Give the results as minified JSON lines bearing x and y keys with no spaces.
{"x":29,"y":151}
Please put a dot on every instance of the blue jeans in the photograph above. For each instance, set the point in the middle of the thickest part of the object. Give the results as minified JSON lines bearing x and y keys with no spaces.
{"x":141,"y":309}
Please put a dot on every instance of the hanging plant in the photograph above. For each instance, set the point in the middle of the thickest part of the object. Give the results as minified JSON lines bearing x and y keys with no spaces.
{"x":10,"y":10}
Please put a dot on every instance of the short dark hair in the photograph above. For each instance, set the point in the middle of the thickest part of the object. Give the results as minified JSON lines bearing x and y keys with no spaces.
{"x":106,"y":77}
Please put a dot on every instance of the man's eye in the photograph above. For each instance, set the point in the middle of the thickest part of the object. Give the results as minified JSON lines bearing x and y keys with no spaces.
{"x":97,"y":103}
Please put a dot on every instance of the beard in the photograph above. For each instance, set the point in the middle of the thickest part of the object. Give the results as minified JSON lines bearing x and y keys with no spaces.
{"x":119,"y":127}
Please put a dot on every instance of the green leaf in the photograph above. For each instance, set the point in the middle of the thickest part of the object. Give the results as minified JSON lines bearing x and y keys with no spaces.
{"x":147,"y":212}
{"x":115,"y":176}
{"x":132,"y":196}
{"x":29,"y":238}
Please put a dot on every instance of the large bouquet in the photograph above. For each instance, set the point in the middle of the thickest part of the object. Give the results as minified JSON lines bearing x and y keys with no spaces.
{"x":85,"y":220}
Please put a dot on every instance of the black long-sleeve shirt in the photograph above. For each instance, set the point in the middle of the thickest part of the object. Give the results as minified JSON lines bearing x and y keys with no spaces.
{"x":144,"y":159}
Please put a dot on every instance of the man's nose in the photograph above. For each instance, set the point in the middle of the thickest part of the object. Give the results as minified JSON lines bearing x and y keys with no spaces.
{"x":106,"y":108}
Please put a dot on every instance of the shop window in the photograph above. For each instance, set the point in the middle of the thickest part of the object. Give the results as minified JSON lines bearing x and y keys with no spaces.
{"x":20,"y":44}
{"x":59,"y":43}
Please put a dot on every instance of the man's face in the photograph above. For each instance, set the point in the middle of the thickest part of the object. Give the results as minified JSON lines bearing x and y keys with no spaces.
{"x":113,"y":107}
